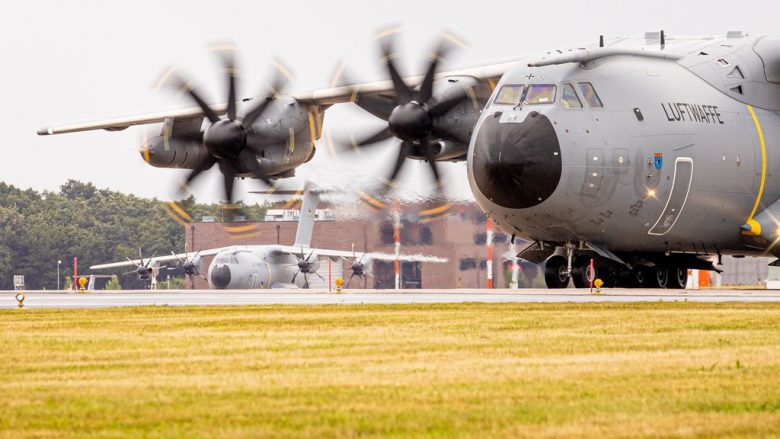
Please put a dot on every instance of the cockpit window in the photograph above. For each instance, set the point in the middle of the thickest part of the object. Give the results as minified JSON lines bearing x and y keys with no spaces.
{"x":510,"y":94}
{"x":569,"y":97}
{"x":540,"y":94}
{"x":589,"y":93}
{"x":227,"y":259}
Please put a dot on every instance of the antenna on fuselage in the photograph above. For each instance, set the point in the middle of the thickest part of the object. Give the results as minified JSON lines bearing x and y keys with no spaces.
{"x":601,"y":40}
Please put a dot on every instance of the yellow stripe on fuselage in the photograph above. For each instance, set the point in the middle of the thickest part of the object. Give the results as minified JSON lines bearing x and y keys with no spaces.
{"x":312,"y":129}
{"x":762,"y":141}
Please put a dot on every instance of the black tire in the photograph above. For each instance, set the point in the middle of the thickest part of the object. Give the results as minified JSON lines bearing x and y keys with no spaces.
{"x":634,"y":278}
{"x":581,"y":271}
{"x":638,"y":277}
{"x":555,"y":275}
{"x":657,"y":277}
{"x":678,"y":277}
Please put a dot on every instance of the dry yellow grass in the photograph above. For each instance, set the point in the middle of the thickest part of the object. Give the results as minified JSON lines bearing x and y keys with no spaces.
{"x":672,"y":370}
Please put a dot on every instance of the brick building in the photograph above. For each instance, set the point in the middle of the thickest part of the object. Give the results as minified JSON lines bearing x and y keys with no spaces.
{"x":460,"y":237}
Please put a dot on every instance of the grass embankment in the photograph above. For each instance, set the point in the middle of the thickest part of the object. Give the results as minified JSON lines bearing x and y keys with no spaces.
{"x":679,"y":369}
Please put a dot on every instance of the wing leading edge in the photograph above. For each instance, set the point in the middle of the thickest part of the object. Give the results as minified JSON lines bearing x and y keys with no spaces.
{"x":371,"y":255}
{"x":158,"y":260}
{"x":317,"y":98}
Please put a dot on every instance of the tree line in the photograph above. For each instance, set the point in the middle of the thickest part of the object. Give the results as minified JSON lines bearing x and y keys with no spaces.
{"x":96,"y":225}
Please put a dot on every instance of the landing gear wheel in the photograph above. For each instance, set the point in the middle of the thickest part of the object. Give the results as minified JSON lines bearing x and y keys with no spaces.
{"x":555,"y":272}
{"x":639,"y":277}
{"x":658,"y":277}
{"x":581,"y":272}
{"x":678,"y":277}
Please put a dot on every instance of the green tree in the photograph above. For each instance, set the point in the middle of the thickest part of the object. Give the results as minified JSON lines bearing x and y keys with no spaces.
{"x":94,"y":225}
{"x":76,"y":190}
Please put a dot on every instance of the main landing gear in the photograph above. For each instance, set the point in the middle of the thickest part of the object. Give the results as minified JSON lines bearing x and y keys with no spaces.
{"x":658,"y":276}
{"x":559,"y":271}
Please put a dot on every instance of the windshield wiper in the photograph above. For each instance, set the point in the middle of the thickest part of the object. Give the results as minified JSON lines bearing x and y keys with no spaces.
{"x":522,"y":98}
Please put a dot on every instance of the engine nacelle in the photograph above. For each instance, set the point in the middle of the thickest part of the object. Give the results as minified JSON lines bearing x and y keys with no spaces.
{"x":283,"y":117}
{"x":170,"y":153}
{"x":444,"y":151}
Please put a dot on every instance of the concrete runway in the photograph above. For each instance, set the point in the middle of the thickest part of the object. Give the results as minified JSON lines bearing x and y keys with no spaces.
{"x":47,"y":299}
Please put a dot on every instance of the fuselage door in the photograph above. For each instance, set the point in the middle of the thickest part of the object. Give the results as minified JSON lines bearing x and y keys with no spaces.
{"x":681,"y":187}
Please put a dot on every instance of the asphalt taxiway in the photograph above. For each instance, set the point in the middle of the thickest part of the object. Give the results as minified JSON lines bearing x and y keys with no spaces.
{"x":48,"y":299}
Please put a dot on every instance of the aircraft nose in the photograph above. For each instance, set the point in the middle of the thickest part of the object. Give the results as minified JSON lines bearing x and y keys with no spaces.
{"x":220,"y":276}
{"x":517,"y":165}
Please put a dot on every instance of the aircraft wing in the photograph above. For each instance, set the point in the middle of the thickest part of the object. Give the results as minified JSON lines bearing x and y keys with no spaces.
{"x":317,"y":98}
{"x":370,"y":255}
{"x":157,"y":260}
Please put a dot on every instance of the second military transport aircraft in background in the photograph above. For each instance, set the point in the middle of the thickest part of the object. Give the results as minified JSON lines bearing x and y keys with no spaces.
{"x":270,"y":266}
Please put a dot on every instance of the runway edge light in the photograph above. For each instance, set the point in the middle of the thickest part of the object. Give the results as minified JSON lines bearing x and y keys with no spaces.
{"x":20,"y":299}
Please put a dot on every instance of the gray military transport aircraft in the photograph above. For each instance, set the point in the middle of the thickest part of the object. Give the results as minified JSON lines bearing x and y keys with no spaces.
{"x":649,"y":155}
{"x":268,"y":266}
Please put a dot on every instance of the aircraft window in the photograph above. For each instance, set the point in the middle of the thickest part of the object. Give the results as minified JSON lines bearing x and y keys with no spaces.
{"x":510,"y":94}
{"x":540,"y":94}
{"x":587,"y":90}
{"x":569,"y":97}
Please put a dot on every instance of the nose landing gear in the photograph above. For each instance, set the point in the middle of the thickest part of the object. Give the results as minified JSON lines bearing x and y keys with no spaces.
{"x":556,"y":272}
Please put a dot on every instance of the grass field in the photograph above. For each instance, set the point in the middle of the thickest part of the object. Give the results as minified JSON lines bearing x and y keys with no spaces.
{"x":598,"y":370}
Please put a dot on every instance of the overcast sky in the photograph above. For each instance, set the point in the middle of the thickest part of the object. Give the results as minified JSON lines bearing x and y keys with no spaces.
{"x":78,"y":60}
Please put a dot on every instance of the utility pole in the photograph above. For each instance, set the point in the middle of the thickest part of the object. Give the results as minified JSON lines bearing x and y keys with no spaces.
{"x":397,"y":244}
{"x":75,"y":272}
{"x":489,"y":244}
{"x":515,"y":264}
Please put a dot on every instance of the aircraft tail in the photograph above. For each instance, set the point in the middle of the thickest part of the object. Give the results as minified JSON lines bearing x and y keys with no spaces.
{"x":306,"y":217}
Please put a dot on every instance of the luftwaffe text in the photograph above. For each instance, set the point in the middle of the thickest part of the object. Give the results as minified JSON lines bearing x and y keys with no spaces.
{"x":681,"y":112}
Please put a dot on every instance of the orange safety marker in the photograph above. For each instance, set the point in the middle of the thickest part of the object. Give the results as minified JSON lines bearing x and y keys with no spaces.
{"x":704,"y":279}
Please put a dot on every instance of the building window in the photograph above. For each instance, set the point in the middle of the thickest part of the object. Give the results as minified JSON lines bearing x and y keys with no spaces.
{"x":386,"y":233}
{"x":426,"y":236}
{"x":406,"y":234}
{"x":468,"y":264}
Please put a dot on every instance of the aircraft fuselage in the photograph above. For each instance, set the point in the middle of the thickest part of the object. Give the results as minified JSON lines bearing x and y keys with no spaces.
{"x":669,"y":163}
